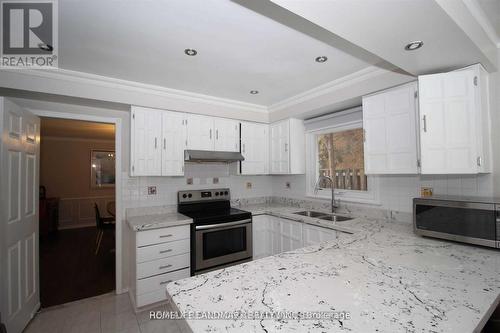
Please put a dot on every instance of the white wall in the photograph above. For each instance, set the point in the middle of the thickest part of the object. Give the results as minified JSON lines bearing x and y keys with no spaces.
{"x":396,"y":192}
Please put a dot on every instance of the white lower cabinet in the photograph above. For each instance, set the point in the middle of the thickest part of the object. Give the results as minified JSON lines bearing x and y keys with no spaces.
{"x":273,"y":235}
{"x":159,"y":256}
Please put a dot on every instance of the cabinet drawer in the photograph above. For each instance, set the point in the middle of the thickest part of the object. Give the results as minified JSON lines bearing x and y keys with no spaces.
{"x":163,"y":250}
{"x":160,"y":266}
{"x":156,"y":236}
{"x":151,"y":297}
{"x":148,"y":285}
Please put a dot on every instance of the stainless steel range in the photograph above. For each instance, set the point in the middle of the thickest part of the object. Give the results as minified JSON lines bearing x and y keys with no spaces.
{"x":220,"y":235}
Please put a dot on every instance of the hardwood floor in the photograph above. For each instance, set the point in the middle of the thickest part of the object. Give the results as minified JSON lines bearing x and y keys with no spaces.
{"x":70,"y":271}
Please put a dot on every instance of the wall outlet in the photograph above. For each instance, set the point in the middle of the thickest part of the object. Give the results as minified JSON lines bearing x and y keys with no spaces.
{"x":189,"y":181}
{"x":215,"y":180}
{"x":288,"y":185}
{"x":248,"y":185}
{"x":151,"y":190}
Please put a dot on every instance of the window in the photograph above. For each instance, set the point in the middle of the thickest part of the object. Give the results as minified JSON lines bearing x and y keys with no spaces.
{"x":340,"y":157}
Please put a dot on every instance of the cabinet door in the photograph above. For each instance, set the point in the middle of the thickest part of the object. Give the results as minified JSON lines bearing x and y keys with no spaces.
{"x":200,"y":132}
{"x":145,"y":142}
{"x":226,"y":134}
{"x":389,"y":123}
{"x":280,"y":157}
{"x":275,"y":234}
{"x":448,"y":123}
{"x":291,"y":235}
{"x":315,"y":234}
{"x":261,"y":237}
{"x":174,"y":138}
{"x":255,"y":149}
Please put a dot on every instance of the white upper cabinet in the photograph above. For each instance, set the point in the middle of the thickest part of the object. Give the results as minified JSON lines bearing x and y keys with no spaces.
{"x":389,"y":123}
{"x":158,"y":140}
{"x":227,"y":135}
{"x":255,"y":148}
{"x":174,"y":141}
{"x":200,"y":132}
{"x":287,"y":147}
{"x":454,"y":122}
{"x":145,"y":155}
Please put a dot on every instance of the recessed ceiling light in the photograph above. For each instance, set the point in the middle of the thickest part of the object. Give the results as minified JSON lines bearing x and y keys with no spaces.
{"x":415,"y":45}
{"x":190,"y":52}
{"x":254,"y":92}
{"x":321,"y":59}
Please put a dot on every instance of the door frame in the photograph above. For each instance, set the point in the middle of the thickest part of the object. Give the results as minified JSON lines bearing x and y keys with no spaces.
{"x":118,"y":180}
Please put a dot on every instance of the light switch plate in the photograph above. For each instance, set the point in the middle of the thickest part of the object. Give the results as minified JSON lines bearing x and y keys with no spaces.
{"x":151,"y":190}
{"x":189,"y":181}
{"x":248,"y":185}
{"x":215,"y":180}
{"x":288,"y":185}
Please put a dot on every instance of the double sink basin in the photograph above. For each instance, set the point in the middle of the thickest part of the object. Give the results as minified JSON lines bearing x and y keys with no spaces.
{"x":324,"y":216}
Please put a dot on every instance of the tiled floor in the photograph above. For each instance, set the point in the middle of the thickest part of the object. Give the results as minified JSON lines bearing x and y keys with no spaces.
{"x":102,"y":314}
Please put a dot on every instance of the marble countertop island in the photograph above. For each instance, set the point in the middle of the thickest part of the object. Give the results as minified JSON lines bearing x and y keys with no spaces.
{"x":381,"y":278}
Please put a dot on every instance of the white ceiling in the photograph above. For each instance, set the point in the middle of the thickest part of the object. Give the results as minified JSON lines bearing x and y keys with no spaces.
{"x":238,"y":49}
{"x":65,"y":128}
{"x":491,"y":9}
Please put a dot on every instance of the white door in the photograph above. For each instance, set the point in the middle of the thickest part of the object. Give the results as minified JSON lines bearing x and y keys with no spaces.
{"x":174,"y":141}
{"x":280,"y":157}
{"x":448,"y":123}
{"x":200,"y":132}
{"x":389,"y":123}
{"x":145,"y":142}
{"x":291,"y":235}
{"x":227,"y":134}
{"x":255,"y":148}
{"x":20,"y":151}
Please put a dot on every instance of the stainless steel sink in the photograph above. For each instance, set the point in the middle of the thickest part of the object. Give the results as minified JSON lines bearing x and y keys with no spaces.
{"x":324,"y":216}
{"x":335,"y":218}
{"x":310,"y":213}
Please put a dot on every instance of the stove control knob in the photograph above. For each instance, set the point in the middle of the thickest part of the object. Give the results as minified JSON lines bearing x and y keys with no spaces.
{"x":190,"y":195}
{"x":216,"y":194}
{"x":184,"y":196}
{"x":226,"y":193}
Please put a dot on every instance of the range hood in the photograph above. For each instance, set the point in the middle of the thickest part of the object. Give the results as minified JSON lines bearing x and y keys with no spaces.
{"x":204,"y":156}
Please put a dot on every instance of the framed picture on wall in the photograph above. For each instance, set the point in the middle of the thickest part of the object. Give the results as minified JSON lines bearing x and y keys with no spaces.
{"x":102,"y":168}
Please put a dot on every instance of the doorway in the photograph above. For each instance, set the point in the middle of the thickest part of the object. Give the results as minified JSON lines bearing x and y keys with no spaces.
{"x":77,"y":210}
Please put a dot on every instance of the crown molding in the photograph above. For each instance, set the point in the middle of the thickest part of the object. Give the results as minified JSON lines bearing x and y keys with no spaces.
{"x":479,"y":15}
{"x":108,"y":82}
{"x":329,"y":87}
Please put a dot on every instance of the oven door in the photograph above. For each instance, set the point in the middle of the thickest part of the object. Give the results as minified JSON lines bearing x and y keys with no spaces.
{"x":219,"y":244}
{"x":460,"y":221}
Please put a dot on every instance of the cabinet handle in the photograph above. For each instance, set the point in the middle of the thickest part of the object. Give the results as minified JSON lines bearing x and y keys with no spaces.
{"x":164,"y":144}
{"x":164,"y":266}
{"x":165,"y":236}
{"x":165,"y":251}
{"x":217,"y":134}
{"x":479,"y":161}
{"x":165,"y":282}
{"x":156,"y":143}
{"x":425,"y":123}
{"x":210,"y":134}
{"x":286,"y":147}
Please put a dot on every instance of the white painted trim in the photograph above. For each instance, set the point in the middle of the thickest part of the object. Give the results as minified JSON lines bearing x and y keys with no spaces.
{"x":329,"y":87}
{"x":118,"y":179}
{"x":75,"y":139}
{"x":108,"y":82}
{"x":478,"y":13}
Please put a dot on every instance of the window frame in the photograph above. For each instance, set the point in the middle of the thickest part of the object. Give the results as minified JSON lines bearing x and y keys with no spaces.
{"x":371,"y":196}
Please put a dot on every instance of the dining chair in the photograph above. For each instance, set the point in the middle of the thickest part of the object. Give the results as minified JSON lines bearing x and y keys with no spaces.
{"x":102,"y":224}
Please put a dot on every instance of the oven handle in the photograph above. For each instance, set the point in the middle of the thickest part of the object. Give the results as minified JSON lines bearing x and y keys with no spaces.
{"x":219,"y":225}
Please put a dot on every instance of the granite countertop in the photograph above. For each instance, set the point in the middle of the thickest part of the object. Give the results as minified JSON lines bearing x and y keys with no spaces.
{"x":155,"y":221}
{"x":386,"y":278}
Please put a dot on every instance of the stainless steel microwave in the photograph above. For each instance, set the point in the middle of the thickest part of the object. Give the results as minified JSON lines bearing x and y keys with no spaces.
{"x":471,"y":220}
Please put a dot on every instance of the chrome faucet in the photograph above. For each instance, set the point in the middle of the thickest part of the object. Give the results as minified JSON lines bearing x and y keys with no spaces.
{"x":316,"y":188}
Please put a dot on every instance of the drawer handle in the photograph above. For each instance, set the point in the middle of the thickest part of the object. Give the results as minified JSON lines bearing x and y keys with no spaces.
{"x":165,"y":251}
{"x":165,"y":236}
{"x":166,"y":266}
{"x":165,"y":282}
